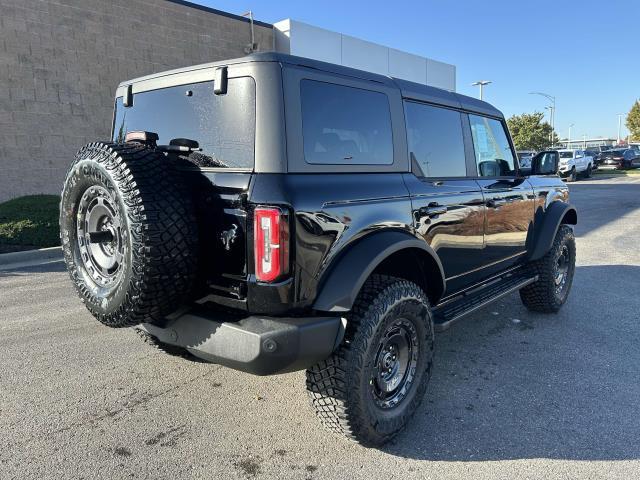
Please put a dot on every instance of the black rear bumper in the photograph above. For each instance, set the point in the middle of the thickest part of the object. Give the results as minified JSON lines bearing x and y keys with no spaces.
{"x":256,"y":344}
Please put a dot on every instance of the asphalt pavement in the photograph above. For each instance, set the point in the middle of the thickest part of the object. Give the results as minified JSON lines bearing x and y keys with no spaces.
{"x":513,"y":394}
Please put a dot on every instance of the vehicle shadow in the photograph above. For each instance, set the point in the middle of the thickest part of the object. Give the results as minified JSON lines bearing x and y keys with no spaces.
{"x":510,"y":384}
{"x":51,"y":267}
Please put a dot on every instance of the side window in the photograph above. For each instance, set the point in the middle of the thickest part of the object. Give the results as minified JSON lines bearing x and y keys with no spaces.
{"x":435,"y":140}
{"x":345,"y":125}
{"x":491,"y":144}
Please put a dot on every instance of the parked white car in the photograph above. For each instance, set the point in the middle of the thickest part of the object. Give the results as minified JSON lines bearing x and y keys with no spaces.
{"x":574,"y":163}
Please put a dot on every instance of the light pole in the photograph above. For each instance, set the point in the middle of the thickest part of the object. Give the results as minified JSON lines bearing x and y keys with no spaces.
{"x":552,"y":99}
{"x":619,"y":125}
{"x":481,"y":83}
{"x":551,"y":109}
{"x":569,"y":138}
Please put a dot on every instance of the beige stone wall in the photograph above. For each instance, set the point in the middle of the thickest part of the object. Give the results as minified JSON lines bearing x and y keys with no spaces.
{"x":61,"y":60}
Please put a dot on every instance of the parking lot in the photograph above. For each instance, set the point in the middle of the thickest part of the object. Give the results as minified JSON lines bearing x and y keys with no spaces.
{"x":513,"y":395}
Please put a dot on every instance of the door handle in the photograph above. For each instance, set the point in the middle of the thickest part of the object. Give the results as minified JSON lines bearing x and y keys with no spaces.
{"x":496,"y":202}
{"x":433,"y":210}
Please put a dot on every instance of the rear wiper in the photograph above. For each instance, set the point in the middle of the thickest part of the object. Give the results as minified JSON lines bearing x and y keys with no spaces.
{"x":180,"y":145}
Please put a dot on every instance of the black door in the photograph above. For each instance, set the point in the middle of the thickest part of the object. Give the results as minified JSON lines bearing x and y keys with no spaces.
{"x":448,"y":208}
{"x":449,"y":215}
{"x":509,"y":198}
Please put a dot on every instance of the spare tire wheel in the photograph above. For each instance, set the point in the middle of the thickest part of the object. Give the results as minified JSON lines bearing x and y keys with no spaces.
{"x":128,"y":233}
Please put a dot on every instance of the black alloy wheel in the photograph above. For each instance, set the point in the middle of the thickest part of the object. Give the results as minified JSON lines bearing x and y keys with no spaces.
{"x":395,"y":363}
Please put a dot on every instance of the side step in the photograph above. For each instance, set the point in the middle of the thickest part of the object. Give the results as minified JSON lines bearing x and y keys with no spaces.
{"x":446,"y":313}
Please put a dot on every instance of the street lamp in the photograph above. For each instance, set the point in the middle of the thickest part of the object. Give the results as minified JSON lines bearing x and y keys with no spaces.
{"x":569,"y":138}
{"x":619,"y":125}
{"x":481,"y":83}
{"x":552,"y":107}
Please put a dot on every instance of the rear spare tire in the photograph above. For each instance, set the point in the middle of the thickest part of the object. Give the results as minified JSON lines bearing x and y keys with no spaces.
{"x":128,"y":233}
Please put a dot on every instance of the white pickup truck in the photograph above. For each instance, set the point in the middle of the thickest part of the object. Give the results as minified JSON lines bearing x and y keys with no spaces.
{"x":574,"y":163}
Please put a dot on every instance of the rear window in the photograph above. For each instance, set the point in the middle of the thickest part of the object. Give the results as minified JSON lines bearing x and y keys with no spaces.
{"x":435,"y":140}
{"x":223,"y":125}
{"x":345,"y":125}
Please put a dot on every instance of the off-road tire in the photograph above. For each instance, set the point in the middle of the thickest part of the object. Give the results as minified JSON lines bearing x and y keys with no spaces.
{"x":157,"y":233}
{"x":542,"y":295}
{"x":340,"y":386}
{"x":573,"y":175}
{"x":588,"y":172}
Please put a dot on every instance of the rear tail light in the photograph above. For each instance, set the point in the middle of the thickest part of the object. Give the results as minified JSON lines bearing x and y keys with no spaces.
{"x":271,"y":243}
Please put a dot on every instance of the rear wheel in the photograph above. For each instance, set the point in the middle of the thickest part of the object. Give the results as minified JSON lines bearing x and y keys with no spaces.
{"x":371,"y":386}
{"x":128,"y":233}
{"x":588,"y":172}
{"x":555,"y":275}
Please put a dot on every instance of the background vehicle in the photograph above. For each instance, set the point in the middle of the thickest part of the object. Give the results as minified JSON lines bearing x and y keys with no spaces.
{"x":601,"y":148}
{"x":292,"y":214}
{"x":593,"y":154}
{"x":620,"y":158}
{"x":574,"y":163}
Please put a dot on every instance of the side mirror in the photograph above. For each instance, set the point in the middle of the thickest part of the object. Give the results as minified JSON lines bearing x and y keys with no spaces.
{"x":545,"y":163}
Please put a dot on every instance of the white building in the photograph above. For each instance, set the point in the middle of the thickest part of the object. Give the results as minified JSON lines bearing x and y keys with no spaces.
{"x":301,"y":39}
{"x":587,"y":142}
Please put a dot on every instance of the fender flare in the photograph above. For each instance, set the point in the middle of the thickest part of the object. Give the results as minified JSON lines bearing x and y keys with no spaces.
{"x":549,"y":222}
{"x":342,"y":282}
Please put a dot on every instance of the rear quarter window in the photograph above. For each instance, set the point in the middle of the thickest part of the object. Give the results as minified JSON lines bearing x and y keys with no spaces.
{"x":345,"y":125}
{"x":223,"y":125}
{"x":435,"y":140}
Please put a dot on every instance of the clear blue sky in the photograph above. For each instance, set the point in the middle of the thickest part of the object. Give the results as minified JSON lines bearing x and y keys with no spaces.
{"x":585,"y":53}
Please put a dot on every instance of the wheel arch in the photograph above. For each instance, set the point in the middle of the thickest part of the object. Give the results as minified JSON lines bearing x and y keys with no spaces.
{"x":393,"y":253}
{"x":557,"y":213}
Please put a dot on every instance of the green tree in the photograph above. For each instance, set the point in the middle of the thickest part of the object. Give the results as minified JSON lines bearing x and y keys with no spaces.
{"x":633,"y":121}
{"x":530,"y":132}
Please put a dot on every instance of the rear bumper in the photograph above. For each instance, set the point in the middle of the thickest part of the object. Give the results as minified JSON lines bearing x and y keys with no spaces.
{"x":611,"y":164}
{"x":256,"y":344}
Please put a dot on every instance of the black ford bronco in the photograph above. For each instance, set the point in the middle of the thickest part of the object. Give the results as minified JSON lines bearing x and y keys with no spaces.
{"x":275,"y":213}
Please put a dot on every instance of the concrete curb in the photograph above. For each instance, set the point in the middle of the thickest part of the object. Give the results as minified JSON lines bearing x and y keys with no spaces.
{"x":30,"y":258}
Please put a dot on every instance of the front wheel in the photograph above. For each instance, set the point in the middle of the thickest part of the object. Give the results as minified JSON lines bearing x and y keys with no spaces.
{"x":371,"y":386}
{"x":555,"y":275}
{"x":572,"y":175}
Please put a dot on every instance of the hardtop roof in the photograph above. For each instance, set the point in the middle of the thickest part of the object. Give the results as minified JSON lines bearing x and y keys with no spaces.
{"x":408,"y":89}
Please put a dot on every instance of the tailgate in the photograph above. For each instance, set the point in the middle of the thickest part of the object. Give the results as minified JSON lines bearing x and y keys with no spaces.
{"x":221,"y":207}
